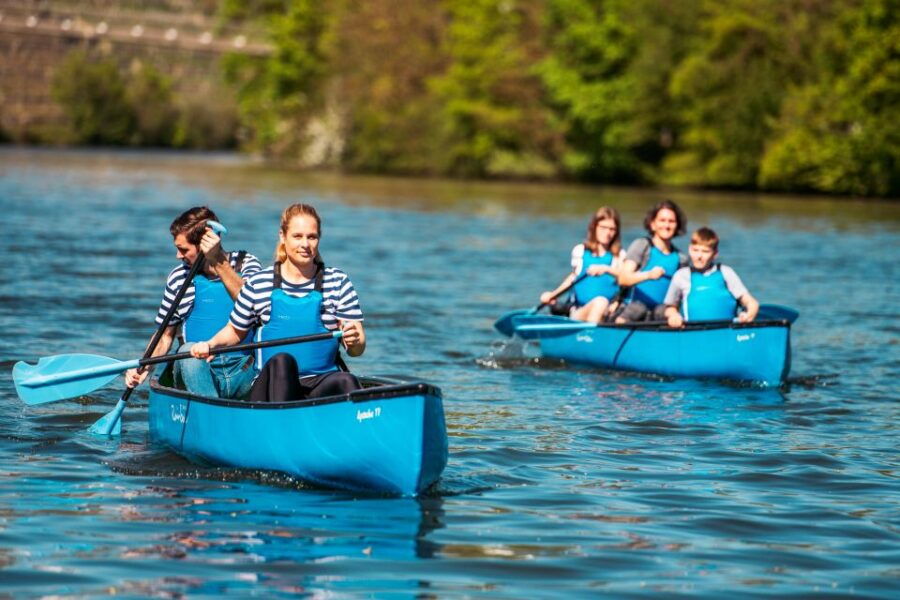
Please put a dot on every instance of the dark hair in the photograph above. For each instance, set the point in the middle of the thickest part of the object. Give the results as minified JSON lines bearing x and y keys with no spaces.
{"x":679,"y":216}
{"x":706,"y":237}
{"x":192,"y":223}
{"x":591,"y":243}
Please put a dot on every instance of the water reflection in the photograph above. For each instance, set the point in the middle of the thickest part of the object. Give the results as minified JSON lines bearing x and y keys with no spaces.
{"x":266,"y":525}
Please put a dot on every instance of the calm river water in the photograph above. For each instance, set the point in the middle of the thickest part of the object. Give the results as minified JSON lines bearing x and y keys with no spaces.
{"x":561,"y":482}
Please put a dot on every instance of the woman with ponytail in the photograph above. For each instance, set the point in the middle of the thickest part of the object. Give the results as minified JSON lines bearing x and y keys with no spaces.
{"x":296,"y":296}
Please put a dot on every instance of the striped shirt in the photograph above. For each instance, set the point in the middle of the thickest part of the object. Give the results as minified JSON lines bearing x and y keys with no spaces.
{"x":254,"y":304}
{"x":176,"y":279}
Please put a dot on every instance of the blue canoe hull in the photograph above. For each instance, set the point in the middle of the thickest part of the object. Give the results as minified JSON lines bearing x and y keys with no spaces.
{"x":758,"y":352}
{"x":390,"y":437}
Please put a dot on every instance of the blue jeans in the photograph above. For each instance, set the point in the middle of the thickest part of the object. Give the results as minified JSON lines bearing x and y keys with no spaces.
{"x":227,"y":376}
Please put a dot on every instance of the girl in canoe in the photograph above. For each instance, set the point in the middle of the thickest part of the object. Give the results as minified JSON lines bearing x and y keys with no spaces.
{"x":204,"y":308}
{"x":650,"y":263}
{"x":296,"y":296}
{"x":594,"y":266}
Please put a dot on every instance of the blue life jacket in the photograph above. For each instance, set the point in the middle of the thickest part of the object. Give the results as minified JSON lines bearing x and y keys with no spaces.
{"x":211,"y":309}
{"x":291,"y":316}
{"x":653,"y":291}
{"x":709,"y":298}
{"x":591,"y":287}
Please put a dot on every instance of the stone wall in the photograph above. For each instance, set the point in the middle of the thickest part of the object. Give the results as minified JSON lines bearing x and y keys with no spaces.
{"x":182,"y":39}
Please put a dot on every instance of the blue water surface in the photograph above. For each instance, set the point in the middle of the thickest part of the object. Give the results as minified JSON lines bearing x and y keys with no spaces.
{"x":562,"y":482}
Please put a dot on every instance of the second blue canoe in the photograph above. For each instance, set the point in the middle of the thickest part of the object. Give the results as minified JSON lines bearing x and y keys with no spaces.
{"x":758,"y":352}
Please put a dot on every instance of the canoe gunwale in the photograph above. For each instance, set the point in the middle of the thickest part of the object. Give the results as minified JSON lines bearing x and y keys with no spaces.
{"x":695,"y":326}
{"x":388,"y":389}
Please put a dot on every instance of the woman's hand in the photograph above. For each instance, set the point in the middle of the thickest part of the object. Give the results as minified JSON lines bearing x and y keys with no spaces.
{"x":744,"y":317}
{"x":354,"y":337}
{"x":547,"y":298}
{"x":655,"y":273}
{"x":595,"y":270}
{"x":201,"y":350}
{"x":135,"y":377}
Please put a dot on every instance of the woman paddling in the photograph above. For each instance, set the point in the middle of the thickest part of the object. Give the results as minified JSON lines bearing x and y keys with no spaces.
{"x":597,"y":259}
{"x":650,"y":263}
{"x":298,"y":295}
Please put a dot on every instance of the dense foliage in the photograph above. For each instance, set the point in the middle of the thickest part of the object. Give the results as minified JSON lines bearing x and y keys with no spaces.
{"x":800,"y":95}
{"x":776,"y":94}
{"x":140,"y":108}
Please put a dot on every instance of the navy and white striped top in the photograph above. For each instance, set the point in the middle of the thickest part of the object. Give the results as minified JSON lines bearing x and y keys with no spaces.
{"x":254,"y":304}
{"x":176,"y":279}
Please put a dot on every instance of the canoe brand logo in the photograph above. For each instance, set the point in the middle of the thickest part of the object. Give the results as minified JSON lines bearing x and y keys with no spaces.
{"x":584,"y":337}
{"x":745,"y":337}
{"x":178,"y":413}
{"x":371,"y":413}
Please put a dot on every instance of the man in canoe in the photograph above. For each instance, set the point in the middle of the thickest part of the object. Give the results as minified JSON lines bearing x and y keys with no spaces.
{"x":204,"y":307}
{"x":707,"y":290}
{"x":296,"y":296}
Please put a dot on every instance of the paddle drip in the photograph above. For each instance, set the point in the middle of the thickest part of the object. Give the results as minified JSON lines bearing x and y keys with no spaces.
{"x":505,"y":354}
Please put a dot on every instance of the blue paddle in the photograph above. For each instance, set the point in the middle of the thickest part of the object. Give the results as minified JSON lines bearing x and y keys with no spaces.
{"x":111,"y":423}
{"x":505,"y":323}
{"x":68,"y":375}
{"x":776,"y":312}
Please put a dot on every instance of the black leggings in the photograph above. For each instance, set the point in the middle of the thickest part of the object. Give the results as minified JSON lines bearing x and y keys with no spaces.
{"x":279,"y":381}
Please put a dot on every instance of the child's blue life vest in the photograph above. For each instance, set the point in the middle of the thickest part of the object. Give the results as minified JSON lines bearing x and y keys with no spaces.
{"x":653,"y":291}
{"x":592,"y":287}
{"x":709,"y":298}
{"x":291,"y":316}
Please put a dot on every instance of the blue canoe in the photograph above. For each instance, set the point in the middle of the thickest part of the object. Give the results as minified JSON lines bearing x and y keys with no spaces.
{"x":758,"y":352}
{"x":389,"y":437}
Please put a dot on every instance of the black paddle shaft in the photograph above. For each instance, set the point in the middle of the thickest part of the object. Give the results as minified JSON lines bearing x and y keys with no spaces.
{"x":561,"y":292}
{"x":198,"y":264}
{"x":238,"y":348}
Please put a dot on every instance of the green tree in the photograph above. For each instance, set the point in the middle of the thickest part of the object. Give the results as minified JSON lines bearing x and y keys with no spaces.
{"x":278,"y":94}
{"x":731,"y":87}
{"x":586,"y":78}
{"x":93,"y":97}
{"x":492,"y":119}
{"x":151,"y":99}
{"x":841,"y":134}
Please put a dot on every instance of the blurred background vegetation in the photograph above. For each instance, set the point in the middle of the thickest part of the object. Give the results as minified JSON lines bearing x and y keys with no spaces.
{"x":788,"y":95}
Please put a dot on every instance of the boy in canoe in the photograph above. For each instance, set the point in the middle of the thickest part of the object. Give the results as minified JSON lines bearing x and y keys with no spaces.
{"x":204,"y":308}
{"x":707,"y":290}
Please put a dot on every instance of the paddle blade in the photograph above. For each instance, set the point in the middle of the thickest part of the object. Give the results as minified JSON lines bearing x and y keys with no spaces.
{"x":531,"y":327}
{"x":536,"y":331}
{"x":505,"y":323}
{"x":32,"y":390}
{"x":777,"y":312}
{"x":111,"y":422}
